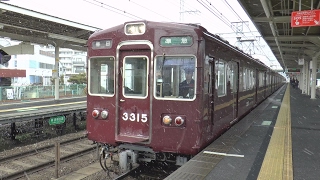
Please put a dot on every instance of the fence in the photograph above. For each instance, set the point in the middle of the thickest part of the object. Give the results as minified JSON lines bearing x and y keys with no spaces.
{"x":31,"y":92}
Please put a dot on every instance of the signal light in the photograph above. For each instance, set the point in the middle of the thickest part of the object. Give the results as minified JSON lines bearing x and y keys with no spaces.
{"x":178,"y":121}
{"x":95,"y":113}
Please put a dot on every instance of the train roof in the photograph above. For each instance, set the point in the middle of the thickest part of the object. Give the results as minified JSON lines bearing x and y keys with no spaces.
{"x":182,"y":26}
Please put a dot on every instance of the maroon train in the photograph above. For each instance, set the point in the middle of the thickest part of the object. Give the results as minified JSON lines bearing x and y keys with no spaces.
{"x":139,"y":106}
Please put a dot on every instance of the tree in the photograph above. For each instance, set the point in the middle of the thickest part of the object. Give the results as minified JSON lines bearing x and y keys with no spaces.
{"x":61,"y":80}
{"x":78,"y":78}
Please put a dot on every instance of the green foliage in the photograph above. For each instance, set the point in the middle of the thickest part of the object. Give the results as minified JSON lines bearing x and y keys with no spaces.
{"x":78,"y":78}
{"x":61,"y":80}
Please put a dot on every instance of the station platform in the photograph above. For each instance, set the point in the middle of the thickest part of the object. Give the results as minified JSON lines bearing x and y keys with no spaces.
{"x":279,"y":139}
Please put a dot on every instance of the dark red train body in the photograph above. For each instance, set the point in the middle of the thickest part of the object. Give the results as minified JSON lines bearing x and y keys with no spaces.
{"x":135,"y":100}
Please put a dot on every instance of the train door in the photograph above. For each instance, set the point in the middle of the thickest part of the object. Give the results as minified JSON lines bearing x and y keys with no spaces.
{"x":133,"y":95}
{"x":234,"y":81}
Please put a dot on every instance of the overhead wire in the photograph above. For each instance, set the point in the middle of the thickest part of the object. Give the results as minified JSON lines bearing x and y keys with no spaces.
{"x":214,"y":13}
{"x":114,"y":9}
{"x":108,"y":9}
{"x":150,"y":10}
{"x":229,"y":6}
{"x":219,"y":15}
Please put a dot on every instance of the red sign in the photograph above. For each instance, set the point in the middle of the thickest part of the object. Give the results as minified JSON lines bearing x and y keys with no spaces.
{"x":305,"y":18}
{"x":12,"y":73}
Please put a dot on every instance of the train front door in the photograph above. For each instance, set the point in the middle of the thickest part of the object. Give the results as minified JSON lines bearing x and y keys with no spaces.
{"x":134,"y":122}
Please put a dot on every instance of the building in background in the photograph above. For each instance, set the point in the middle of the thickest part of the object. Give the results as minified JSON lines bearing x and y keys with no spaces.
{"x":71,"y":62}
{"x":40,"y":65}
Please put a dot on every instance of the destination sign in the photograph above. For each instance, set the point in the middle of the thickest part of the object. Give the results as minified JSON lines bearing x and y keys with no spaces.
{"x":176,"y":41}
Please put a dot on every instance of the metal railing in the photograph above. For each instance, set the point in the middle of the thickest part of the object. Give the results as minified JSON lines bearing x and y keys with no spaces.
{"x":35,"y":91}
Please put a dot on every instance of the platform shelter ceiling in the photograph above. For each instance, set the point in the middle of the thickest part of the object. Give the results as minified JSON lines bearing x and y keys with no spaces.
{"x":272,"y":18}
{"x":26,"y":25}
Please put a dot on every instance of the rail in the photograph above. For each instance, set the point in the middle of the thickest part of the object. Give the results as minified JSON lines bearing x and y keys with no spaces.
{"x":72,"y":149}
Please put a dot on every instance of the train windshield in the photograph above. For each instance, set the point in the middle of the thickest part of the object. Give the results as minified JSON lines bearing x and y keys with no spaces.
{"x":101,"y":75}
{"x":175,"y":77}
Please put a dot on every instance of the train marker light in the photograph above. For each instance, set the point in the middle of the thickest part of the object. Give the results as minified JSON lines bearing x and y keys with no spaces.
{"x":104,"y":114}
{"x":95,"y":113}
{"x":135,"y":28}
{"x":166,"y":120}
{"x":179,"y":121}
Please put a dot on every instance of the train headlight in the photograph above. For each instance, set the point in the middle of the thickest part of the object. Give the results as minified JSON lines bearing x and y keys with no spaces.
{"x":178,"y":121}
{"x":104,"y":114}
{"x":166,"y":120}
{"x":95,"y":113}
{"x":135,"y":28}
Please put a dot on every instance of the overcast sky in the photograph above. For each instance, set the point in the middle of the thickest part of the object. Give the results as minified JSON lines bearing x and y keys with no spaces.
{"x":217,"y":16}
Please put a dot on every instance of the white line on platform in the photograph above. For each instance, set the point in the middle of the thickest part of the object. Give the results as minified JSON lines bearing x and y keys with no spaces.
{"x":223,"y":154}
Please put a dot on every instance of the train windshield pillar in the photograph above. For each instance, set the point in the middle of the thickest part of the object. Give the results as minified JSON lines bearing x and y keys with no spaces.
{"x":175,"y":77}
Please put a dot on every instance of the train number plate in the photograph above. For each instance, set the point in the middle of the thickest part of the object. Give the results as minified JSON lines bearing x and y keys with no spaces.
{"x":135,"y":117}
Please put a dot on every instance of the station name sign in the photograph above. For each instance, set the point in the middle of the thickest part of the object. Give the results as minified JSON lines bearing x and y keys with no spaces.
{"x":57,"y":120}
{"x":305,"y":18}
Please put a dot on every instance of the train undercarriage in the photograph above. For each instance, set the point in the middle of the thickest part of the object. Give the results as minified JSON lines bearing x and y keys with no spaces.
{"x":125,"y":158}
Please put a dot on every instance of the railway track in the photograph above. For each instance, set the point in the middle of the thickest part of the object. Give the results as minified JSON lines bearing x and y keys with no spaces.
{"x":36,"y":159}
{"x":150,"y":171}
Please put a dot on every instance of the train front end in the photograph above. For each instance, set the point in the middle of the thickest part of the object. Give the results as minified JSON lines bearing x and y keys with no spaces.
{"x":140,"y":103}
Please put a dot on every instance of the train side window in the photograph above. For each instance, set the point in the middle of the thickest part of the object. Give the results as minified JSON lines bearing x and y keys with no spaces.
{"x":244,"y":79}
{"x":101,"y":75}
{"x":230,"y":76}
{"x":260,"y":79}
{"x":221,"y":78}
{"x":251,"y":79}
{"x":253,"y":75}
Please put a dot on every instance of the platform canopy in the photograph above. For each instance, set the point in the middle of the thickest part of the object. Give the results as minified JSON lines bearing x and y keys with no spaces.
{"x":289,"y":39}
{"x":29,"y":26}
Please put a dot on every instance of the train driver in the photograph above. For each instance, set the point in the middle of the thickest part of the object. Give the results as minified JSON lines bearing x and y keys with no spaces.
{"x":186,"y":87}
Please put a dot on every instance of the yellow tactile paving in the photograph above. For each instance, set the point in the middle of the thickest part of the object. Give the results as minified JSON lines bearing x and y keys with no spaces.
{"x":277,"y":163}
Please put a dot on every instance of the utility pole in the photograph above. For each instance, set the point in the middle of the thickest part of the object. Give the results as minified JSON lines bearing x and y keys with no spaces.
{"x":238,"y":27}
{"x":182,"y":11}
